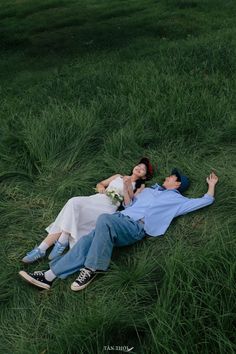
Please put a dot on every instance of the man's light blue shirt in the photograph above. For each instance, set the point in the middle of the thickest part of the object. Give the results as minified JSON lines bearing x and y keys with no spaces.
{"x":157,"y":207}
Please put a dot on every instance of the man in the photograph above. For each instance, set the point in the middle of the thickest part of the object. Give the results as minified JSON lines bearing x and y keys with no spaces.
{"x":149,"y":214}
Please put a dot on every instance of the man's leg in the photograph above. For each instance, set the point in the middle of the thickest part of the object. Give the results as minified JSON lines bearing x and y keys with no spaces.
{"x":95,"y":249}
{"x":111,"y":230}
{"x":74,"y":259}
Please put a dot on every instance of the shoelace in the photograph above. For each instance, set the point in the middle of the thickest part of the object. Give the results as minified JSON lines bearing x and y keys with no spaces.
{"x":39,"y":273}
{"x":35,"y":254}
{"x":84,"y":273}
{"x":60,"y":247}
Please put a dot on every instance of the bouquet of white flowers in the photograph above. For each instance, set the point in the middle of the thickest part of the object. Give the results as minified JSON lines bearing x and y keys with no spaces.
{"x":115,"y":196}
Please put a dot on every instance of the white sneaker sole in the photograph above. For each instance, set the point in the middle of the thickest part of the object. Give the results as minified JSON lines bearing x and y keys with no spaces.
{"x":33,"y":281}
{"x":26,"y":261}
{"x":76,"y":287}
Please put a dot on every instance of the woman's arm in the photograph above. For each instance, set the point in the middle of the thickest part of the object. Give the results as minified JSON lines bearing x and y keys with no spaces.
{"x":128,"y":190}
{"x":101,"y":186}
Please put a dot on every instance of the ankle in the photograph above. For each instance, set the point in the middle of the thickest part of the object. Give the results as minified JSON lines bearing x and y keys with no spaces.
{"x":43,"y":246}
{"x":49,"y":275}
{"x":64,"y":238}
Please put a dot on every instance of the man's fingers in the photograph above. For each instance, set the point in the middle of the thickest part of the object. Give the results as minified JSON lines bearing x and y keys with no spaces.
{"x":212,"y":177}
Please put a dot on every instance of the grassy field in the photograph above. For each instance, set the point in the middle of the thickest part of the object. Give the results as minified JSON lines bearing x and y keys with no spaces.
{"x":86,"y":89}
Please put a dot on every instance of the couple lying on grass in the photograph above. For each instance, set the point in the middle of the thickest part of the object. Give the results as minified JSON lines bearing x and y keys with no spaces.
{"x":148,"y":212}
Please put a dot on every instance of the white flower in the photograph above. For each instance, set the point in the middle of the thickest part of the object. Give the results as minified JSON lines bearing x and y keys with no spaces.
{"x":115,"y":196}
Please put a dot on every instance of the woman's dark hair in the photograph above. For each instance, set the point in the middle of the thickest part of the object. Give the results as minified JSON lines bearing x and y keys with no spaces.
{"x":138,"y":183}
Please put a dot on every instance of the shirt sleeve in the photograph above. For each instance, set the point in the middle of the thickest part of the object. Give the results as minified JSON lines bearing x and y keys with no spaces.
{"x":192,"y":204}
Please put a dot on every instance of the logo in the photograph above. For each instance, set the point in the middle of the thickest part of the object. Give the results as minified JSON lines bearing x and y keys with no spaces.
{"x":121,"y":348}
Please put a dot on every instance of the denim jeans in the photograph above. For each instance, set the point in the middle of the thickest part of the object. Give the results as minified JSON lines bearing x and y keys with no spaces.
{"x":95,"y":249}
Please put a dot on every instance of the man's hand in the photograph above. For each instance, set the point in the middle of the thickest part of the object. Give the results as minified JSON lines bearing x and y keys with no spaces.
{"x":212,"y":179}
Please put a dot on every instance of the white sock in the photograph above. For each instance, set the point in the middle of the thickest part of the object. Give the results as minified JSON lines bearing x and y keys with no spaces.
{"x":43,"y":246}
{"x":49,"y":275}
{"x":93,"y":270}
{"x":64,"y":238}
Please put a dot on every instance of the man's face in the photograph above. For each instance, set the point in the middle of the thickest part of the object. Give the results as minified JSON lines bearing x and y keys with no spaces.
{"x":171,"y":182}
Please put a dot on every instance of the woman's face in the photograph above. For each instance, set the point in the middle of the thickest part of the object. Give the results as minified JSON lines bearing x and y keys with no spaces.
{"x":140,"y":170}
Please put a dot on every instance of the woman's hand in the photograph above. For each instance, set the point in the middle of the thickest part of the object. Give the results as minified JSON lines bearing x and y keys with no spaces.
{"x":127,"y":182}
{"x":128,"y":190}
{"x":100,"y":188}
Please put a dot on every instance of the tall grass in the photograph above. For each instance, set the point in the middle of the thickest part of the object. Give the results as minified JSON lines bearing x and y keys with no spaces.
{"x":86,"y":90}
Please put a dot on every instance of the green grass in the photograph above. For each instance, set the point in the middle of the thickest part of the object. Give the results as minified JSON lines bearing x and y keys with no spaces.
{"x":86,"y":89}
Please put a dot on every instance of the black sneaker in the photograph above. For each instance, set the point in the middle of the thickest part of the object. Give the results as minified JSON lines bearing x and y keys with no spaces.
{"x":36,"y":278}
{"x":85,"y":277}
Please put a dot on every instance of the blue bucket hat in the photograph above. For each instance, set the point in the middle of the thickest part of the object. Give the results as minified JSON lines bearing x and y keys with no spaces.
{"x":181,"y":178}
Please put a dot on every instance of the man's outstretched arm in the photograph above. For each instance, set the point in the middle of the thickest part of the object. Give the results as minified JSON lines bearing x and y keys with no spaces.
{"x":193,"y":204}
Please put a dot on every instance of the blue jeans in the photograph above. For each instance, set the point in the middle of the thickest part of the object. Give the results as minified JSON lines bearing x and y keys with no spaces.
{"x":95,"y":249}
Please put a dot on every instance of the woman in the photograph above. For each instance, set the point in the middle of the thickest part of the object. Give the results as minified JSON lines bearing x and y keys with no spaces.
{"x":79,"y":215}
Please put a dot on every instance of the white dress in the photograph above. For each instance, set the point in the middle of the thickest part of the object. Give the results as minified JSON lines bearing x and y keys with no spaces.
{"x":79,"y":215}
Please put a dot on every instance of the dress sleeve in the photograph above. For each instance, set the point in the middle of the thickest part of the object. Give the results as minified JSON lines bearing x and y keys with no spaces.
{"x":192,"y":204}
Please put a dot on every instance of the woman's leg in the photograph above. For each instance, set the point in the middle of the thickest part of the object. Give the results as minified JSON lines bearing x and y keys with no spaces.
{"x":65,"y":220}
{"x":62,"y":237}
{"x":40,"y":251}
{"x":60,"y":246}
{"x":49,"y":241}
